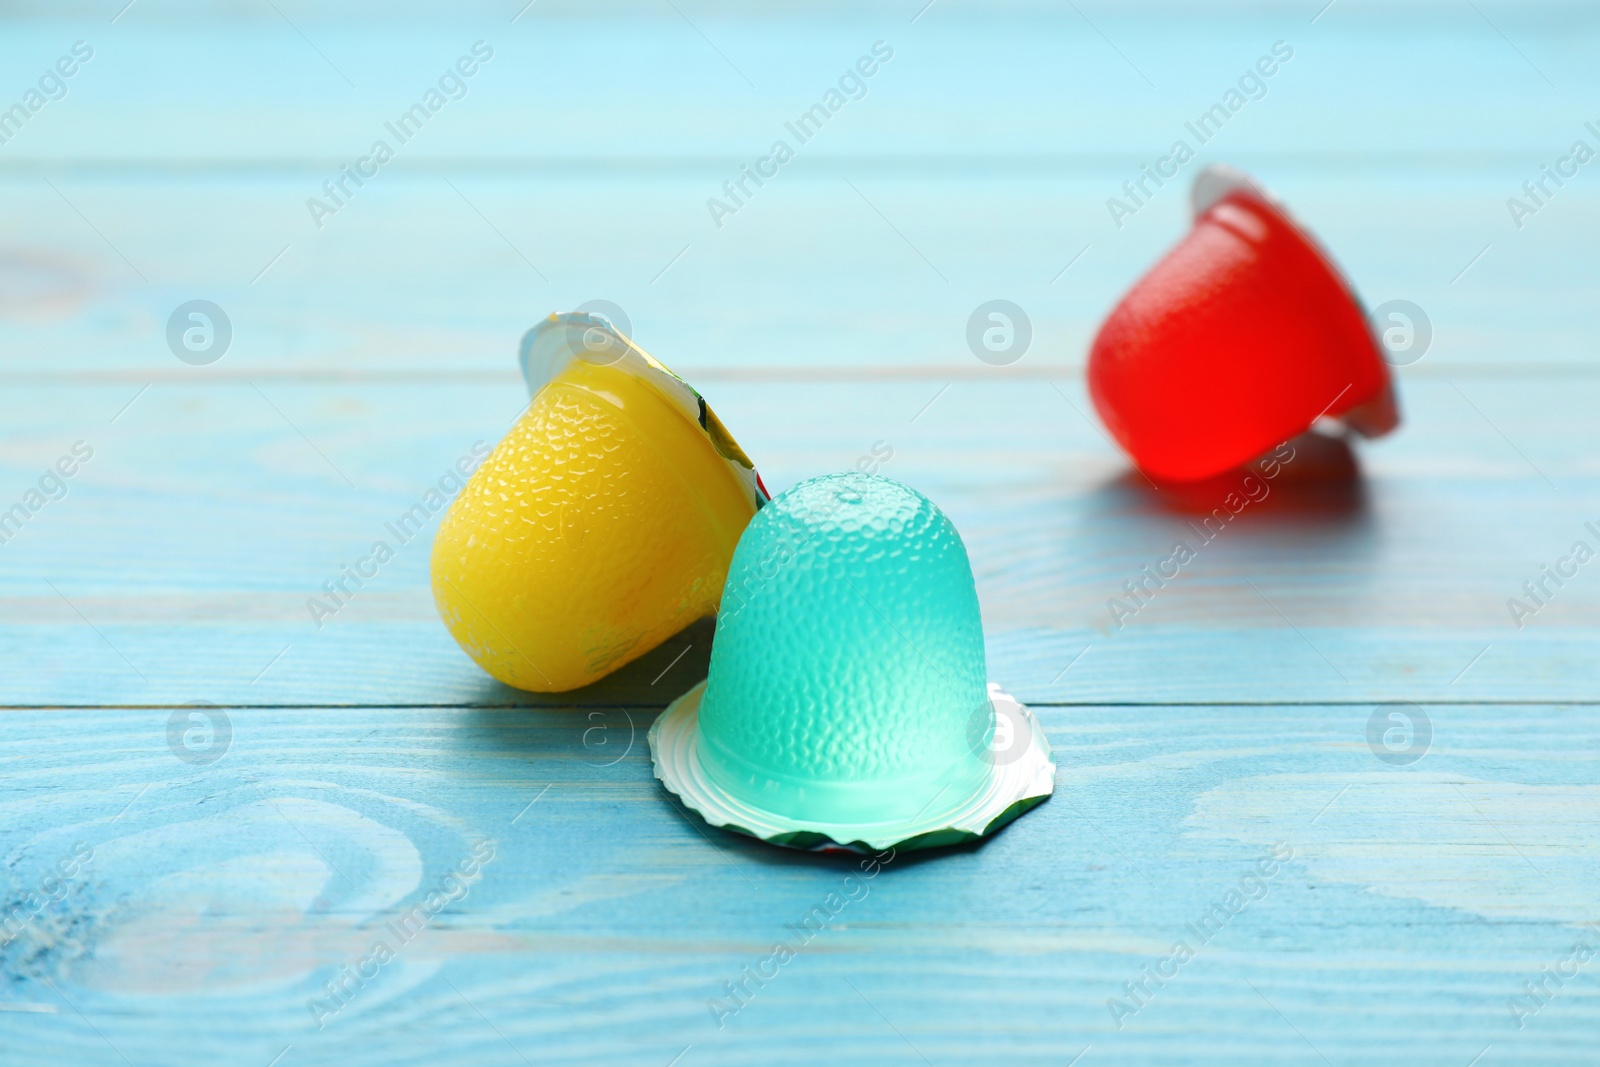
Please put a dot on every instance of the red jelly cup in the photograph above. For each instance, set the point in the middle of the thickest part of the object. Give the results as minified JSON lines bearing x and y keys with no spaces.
{"x":1240,"y":338}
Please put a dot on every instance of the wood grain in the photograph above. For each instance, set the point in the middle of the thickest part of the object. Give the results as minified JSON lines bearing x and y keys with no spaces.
{"x":154,"y":615}
{"x":220,"y":898}
{"x":181,"y":560}
{"x":413,"y":279}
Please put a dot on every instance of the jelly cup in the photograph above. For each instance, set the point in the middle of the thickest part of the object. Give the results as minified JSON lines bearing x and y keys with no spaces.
{"x":1240,"y":338}
{"x":846,"y":705}
{"x":603,"y":522}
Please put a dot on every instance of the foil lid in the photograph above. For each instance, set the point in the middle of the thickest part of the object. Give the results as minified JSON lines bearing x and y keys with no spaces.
{"x":1016,"y":782}
{"x":562,"y":337}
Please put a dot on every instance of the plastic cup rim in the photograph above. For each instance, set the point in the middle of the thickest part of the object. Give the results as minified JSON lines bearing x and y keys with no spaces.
{"x":674,"y":740}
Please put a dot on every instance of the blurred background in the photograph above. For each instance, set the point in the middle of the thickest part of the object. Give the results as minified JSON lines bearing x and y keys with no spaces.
{"x":181,"y":489}
{"x":371,"y":340}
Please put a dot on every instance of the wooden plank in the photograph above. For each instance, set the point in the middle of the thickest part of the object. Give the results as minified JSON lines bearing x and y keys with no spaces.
{"x":1243,"y":706}
{"x":413,"y":277}
{"x":983,"y":159}
{"x":177,"y":86}
{"x":221,"y":897}
{"x":212,"y":511}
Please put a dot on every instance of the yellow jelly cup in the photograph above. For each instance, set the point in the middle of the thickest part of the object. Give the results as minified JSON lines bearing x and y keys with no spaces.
{"x":602,"y":524}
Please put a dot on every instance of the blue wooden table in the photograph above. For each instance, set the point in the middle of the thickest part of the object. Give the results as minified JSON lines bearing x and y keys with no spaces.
{"x":1325,"y":799}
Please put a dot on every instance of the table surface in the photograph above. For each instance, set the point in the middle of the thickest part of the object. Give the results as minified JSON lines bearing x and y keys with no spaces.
{"x":188,"y":897}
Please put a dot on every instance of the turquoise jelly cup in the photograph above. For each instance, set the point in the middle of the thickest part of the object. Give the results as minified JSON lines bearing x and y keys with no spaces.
{"x":847,"y":704}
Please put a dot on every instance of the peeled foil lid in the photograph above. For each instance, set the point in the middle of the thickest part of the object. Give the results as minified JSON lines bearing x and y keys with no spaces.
{"x":1217,"y":181}
{"x":1016,"y":782}
{"x":555,"y":342}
